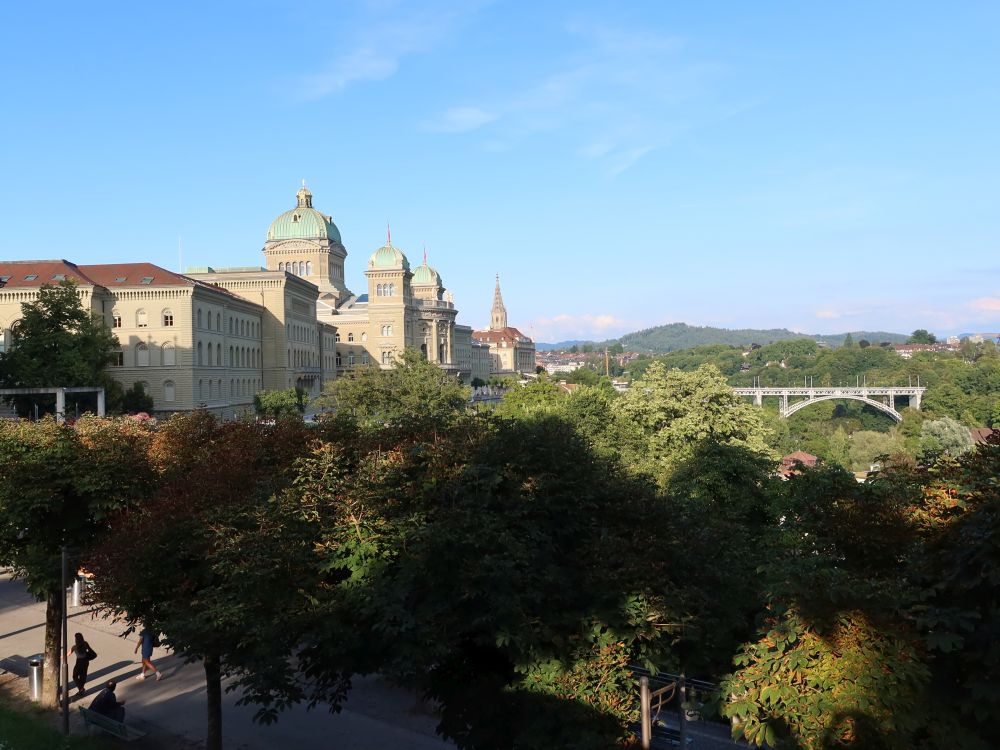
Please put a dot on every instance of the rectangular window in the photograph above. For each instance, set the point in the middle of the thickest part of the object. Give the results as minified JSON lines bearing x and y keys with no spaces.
{"x":168,"y":319}
{"x":116,"y":321}
{"x":118,"y":359}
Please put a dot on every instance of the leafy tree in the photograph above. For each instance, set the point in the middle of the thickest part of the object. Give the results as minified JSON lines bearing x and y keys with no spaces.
{"x":921,"y":336}
{"x":233,"y":589}
{"x":412,"y":396}
{"x":56,"y":342}
{"x":290,"y":402}
{"x":848,"y":341}
{"x":944,"y":435}
{"x":58,"y":486}
{"x":839,"y":452}
{"x":136,"y":400}
{"x":868,"y":446}
{"x":864,"y":343}
{"x":479,"y":382}
{"x":542,"y":397}
{"x":668,"y":413}
{"x":583,"y":375}
{"x":482,"y":566}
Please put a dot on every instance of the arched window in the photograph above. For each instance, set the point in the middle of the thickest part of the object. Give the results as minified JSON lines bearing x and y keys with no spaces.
{"x":141,"y":320}
{"x":338,"y":359}
{"x":232,"y":362}
{"x":386,"y":358}
{"x":350,"y":359}
{"x":243,"y":328}
{"x":243,"y":357}
{"x":350,"y":337}
{"x":309,"y":268}
{"x":168,"y":391}
{"x":141,"y":355}
{"x":218,"y":355}
{"x":169,"y":355}
{"x":201,"y":390}
{"x":168,"y":318}
{"x":281,"y":266}
{"x":392,"y":291}
{"x":199,"y":318}
{"x":116,"y":319}
{"x":364,"y":358}
{"x":200,"y":356}
{"x":336,"y":337}
{"x":364,"y":337}
{"x":230,"y":325}
{"x":218,"y":322}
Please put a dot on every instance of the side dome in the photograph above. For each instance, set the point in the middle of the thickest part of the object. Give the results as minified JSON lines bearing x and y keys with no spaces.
{"x":426,"y":275}
{"x":303,"y":222}
{"x":388,"y":257}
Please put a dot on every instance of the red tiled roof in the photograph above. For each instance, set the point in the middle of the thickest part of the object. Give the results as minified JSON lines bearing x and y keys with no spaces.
{"x":132,"y":274}
{"x":982,"y":434}
{"x":807,"y":458}
{"x":33,"y":273}
{"x":504,"y":334}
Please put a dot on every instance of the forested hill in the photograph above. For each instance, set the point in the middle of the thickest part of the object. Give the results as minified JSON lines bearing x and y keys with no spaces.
{"x":676,"y":336}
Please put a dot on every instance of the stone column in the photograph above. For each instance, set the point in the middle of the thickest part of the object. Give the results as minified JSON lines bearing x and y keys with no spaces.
{"x":60,"y":404}
{"x":449,"y":338}
{"x":432,"y":353}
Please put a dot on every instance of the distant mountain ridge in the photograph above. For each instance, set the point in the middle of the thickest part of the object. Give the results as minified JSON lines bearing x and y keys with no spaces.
{"x":674,"y":336}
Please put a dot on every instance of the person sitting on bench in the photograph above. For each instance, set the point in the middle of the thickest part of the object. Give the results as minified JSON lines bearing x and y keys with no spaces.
{"x":107,"y":704}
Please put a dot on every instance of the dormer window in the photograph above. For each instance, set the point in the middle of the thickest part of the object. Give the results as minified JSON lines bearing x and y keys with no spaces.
{"x":120,"y":279}
{"x":295,"y":218}
{"x":59,"y":277}
{"x":31,"y":277}
{"x":146,"y":280}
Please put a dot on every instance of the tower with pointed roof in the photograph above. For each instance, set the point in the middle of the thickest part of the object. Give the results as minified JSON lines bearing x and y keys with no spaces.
{"x":498,"y":317}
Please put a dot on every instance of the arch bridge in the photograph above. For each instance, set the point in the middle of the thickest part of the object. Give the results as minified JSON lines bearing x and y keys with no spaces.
{"x":883,"y":399}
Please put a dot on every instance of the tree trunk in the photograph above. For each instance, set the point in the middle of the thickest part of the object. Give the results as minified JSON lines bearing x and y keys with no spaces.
{"x":213,"y":693}
{"x":54,"y":603}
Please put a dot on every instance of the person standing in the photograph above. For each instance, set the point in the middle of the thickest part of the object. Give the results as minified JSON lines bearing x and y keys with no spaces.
{"x":84,"y":653}
{"x":147,"y":640}
{"x":107,"y":704}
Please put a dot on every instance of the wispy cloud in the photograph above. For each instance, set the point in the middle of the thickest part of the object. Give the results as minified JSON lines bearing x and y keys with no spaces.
{"x":462,"y":120}
{"x":565,"y":326}
{"x":986,"y":304}
{"x":388,"y":33}
{"x":622,"y":94}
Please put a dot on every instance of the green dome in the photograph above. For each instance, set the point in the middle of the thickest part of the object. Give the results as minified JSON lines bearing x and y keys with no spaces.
{"x":387,"y":257}
{"x":426,"y":275}
{"x":303,"y":223}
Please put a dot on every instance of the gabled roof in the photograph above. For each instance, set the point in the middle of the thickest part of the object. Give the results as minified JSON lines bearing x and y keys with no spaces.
{"x":509,"y":334}
{"x":31,"y":274}
{"x":114,"y":275}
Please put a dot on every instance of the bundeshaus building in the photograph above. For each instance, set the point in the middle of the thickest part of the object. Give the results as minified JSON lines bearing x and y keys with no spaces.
{"x":213,"y":337}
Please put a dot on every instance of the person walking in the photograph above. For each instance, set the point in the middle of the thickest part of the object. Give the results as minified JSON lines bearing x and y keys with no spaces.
{"x":107,"y":704}
{"x":84,"y":653}
{"x":147,"y":640}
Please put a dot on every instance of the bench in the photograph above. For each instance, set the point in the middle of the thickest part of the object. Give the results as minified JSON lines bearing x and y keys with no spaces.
{"x":109,"y":725}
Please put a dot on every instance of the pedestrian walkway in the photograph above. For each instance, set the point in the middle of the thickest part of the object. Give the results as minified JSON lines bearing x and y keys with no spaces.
{"x":172,"y":711}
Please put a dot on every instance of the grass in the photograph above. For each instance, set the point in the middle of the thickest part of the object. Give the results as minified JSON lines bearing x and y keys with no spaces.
{"x":29,"y":730}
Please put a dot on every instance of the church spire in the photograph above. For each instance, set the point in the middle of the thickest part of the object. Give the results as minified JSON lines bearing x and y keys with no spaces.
{"x":498,"y":318}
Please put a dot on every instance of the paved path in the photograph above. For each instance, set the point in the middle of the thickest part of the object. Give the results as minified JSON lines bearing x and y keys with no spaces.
{"x":376,"y":715}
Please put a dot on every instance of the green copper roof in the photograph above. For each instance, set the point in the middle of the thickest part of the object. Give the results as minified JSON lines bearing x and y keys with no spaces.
{"x":388,"y":256}
{"x":303,"y":223}
{"x":426,"y":275}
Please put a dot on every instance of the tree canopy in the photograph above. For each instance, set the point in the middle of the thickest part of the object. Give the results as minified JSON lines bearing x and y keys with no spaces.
{"x":56,"y":343}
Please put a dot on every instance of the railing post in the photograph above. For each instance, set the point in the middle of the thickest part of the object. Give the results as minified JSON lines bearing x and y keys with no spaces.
{"x":646,"y":724}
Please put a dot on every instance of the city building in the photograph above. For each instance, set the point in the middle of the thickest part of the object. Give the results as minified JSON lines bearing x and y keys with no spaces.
{"x":191,"y":344}
{"x":401,"y":307}
{"x":511,"y":352}
{"x":213,"y":337}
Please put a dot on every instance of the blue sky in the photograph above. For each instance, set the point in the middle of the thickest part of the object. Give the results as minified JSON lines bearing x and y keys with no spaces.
{"x":822,"y":167}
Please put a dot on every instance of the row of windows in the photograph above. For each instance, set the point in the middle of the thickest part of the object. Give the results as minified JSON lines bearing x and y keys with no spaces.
{"x":238,"y":356}
{"x":350,"y":336}
{"x":240,"y":327}
{"x":297,"y":267}
{"x":212,"y":389}
{"x":385,"y":290}
{"x":297,"y":332}
{"x":142,"y":319}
